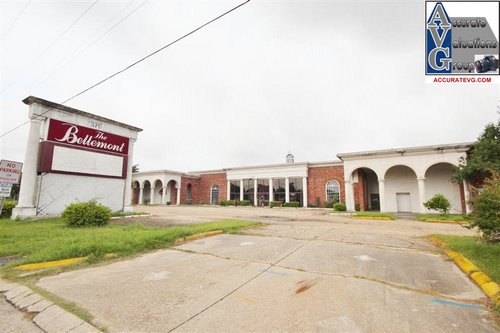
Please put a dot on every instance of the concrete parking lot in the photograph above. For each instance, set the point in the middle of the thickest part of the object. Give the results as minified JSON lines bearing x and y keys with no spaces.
{"x":305,"y":271}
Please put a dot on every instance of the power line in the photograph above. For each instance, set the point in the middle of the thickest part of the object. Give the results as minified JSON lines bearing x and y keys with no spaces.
{"x":15,"y":20}
{"x":50,"y":45}
{"x":133,"y":64}
{"x":69,"y":60}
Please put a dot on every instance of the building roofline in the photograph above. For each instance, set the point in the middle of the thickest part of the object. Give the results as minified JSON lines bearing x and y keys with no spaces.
{"x":32,"y":99}
{"x":399,"y":151}
{"x":162,"y":171}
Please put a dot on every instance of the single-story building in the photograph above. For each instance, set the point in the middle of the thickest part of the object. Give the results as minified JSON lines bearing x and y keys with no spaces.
{"x":392,"y":180}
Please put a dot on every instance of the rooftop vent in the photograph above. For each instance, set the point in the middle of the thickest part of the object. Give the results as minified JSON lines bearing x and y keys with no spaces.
{"x":289,"y":158}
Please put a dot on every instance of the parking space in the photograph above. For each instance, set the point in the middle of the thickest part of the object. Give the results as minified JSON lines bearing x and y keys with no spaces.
{"x":308,"y":272}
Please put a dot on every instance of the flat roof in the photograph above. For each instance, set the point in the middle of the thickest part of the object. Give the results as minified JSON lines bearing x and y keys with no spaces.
{"x":32,"y":99}
{"x":396,"y":151}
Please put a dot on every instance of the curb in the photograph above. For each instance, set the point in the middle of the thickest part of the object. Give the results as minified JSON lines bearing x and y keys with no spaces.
{"x":372,"y":218}
{"x":443,"y":221}
{"x":198,"y":236}
{"x":48,"y":316}
{"x":487,"y":285}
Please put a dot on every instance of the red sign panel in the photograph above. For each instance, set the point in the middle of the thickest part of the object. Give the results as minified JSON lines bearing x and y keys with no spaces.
{"x":82,"y":136}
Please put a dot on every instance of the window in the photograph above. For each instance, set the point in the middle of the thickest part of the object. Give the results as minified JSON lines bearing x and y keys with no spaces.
{"x":234,"y":191}
{"x":189,"y":194}
{"x":263,"y":192}
{"x":332,"y":191}
{"x":279,"y":189}
{"x":295,"y":188}
{"x":248,"y":190}
{"x":214,"y":195}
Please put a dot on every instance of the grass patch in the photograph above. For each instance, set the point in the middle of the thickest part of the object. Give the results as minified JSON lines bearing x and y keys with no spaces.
{"x":375,"y":214}
{"x":486,"y":256}
{"x":50,"y":239}
{"x":442,"y":217}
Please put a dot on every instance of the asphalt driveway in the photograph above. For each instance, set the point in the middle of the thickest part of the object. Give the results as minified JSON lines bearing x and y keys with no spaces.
{"x":304,"y":271}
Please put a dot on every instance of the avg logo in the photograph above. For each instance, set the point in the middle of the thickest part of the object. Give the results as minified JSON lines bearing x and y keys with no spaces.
{"x":438,"y":48}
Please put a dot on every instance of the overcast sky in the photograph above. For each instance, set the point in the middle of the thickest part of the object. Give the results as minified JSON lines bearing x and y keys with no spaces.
{"x":312,"y":77}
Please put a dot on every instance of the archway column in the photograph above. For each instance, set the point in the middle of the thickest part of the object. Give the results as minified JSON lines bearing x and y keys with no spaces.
{"x":271,"y":193}
{"x":304,"y":191}
{"x":178,"y":199}
{"x":241,"y":189}
{"x":349,"y":195}
{"x":152,"y":194}
{"x":164,"y":195}
{"x":255,"y":192}
{"x":468,"y":207}
{"x":287,"y":189}
{"x":381,"y":191}
{"x":141,"y":194}
{"x":421,"y":194}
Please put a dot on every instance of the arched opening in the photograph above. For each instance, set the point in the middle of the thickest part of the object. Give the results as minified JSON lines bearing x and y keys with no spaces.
{"x":214,"y":195}
{"x":146,"y":193}
{"x":189,"y":194}
{"x":401,"y":190}
{"x":171,"y":193}
{"x":366,"y":191}
{"x":136,"y":191}
{"x":156,"y":199}
{"x":438,"y":180}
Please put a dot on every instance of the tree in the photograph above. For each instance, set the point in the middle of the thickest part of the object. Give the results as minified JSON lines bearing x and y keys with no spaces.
{"x":486,"y":214}
{"x":483,"y":158}
{"x":135,"y":168}
{"x":439,"y":203}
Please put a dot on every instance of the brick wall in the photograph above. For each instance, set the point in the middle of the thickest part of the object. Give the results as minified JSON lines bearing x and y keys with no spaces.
{"x":201,"y":188}
{"x":317,"y":179}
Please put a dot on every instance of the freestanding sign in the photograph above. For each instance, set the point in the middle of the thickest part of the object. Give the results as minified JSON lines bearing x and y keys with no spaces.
{"x":10,"y":171}
{"x":5,"y":189}
{"x":74,"y":156}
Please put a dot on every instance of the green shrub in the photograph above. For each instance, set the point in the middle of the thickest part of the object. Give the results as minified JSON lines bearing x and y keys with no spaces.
{"x":329,"y":204}
{"x":276,"y":204}
{"x":244,"y":203}
{"x":318,"y":203}
{"x":8,"y":205}
{"x":339,"y":207}
{"x":227,"y":202}
{"x":169,"y":203}
{"x":292,"y":204}
{"x":486,"y":210}
{"x":83,"y":214}
{"x":438,"y":203}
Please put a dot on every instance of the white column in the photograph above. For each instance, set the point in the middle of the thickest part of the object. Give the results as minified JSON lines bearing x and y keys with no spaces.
{"x":468,"y":207}
{"x":141,"y":194}
{"x":178,"y":195}
{"x":255,"y":201}
{"x":421,"y":195}
{"x":349,"y":195}
{"x":164,"y":195}
{"x":381,"y":191}
{"x":304,"y":191}
{"x":26,"y":206}
{"x":271,"y":194}
{"x":241,"y":189}
{"x":287,"y":189}
{"x":127,"y":197}
{"x":228,"y":190}
{"x":151,"y":195}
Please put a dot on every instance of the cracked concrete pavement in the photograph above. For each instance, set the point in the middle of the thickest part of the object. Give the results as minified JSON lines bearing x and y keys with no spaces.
{"x":304,"y":271}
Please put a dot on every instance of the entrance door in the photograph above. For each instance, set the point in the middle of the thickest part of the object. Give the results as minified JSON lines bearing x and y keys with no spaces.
{"x":403,"y":202}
